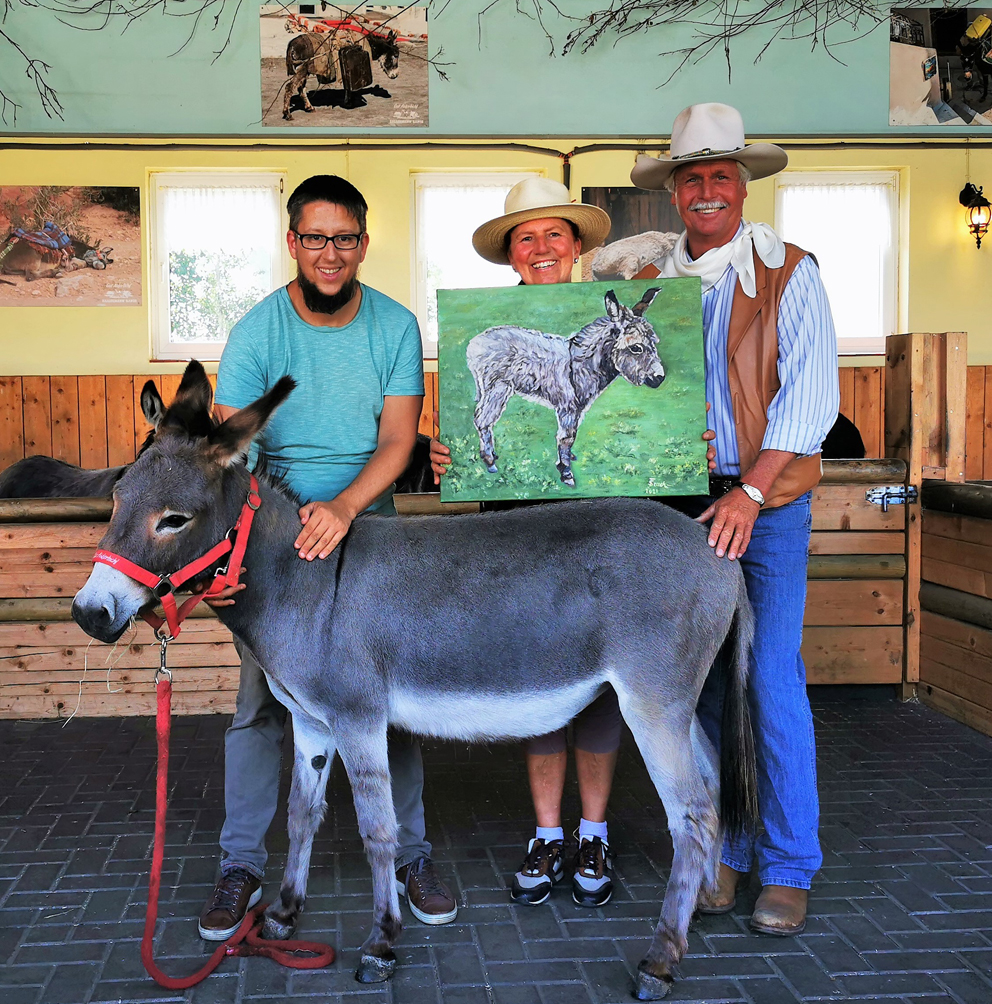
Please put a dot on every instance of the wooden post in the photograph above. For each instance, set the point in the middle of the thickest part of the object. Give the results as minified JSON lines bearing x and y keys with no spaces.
{"x":925,"y":402}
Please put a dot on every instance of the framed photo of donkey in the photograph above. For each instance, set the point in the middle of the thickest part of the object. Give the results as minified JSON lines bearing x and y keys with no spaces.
{"x":573,"y":390}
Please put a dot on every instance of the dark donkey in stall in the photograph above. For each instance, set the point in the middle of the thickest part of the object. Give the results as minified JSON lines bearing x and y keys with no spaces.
{"x":564,"y":374}
{"x":618,"y":591}
{"x":40,"y":477}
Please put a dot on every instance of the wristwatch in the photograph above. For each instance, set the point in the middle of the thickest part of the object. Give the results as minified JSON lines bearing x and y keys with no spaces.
{"x":754,"y":494}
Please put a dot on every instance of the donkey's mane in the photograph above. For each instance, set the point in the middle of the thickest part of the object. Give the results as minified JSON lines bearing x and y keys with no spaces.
{"x":273,"y":469}
{"x":589,"y":342}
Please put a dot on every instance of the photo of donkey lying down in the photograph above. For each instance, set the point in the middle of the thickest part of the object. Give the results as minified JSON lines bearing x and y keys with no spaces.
{"x":623,"y":592}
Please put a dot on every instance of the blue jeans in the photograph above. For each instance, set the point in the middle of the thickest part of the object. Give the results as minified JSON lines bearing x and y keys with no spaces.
{"x":252,"y":759}
{"x":774,"y":566}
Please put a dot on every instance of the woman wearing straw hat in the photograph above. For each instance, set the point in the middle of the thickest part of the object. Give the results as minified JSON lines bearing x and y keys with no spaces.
{"x":540,"y":236}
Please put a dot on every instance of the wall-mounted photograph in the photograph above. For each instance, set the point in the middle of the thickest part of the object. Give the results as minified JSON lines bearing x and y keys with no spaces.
{"x":64,"y":246}
{"x":940,"y":62}
{"x":572,"y":390}
{"x":325,"y":65}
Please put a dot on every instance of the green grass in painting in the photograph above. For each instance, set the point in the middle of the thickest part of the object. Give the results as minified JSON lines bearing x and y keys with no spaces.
{"x":632,"y":441}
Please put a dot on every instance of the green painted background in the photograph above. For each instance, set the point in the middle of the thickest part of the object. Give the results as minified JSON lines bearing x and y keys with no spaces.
{"x":504,"y":79}
{"x":632,"y":441}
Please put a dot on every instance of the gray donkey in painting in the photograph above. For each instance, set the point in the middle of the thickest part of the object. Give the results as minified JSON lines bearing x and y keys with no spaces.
{"x":564,"y":374}
{"x":616,"y":591}
{"x":40,"y":477}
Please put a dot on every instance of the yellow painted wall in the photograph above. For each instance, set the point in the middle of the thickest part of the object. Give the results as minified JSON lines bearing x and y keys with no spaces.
{"x":947,"y":283}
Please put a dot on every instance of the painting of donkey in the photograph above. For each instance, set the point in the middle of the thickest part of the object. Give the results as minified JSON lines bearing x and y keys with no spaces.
{"x":563,"y":374}
{"x":609,"y":591}
{"x":40,"y":477}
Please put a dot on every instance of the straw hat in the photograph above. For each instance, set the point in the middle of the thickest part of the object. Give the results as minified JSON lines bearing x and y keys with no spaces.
{"x":538,"y":199}
{"x":708,"y":131}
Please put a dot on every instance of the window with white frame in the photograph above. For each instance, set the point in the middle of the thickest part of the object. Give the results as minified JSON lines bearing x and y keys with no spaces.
{"x":217,"y":249}
{"x":850,"y":222}
{"x":449,"y":208}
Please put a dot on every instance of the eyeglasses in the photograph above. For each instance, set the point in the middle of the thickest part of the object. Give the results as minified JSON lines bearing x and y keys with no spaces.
{"x":317,"y":242}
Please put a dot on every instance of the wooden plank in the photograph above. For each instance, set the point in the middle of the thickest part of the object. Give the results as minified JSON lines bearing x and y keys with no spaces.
{"x":958,"y":708}
{"x":973,"y":610}
{"x":39,"y":634}
{"x":92,"y":422}
{"x":968,"y":580}
{"x":853,"y":654}
{"x":844,"y":507}
{"x":874,"y":471}
{"x":11,"y":422}
{"x":141,"y":427}
{"x":49,"y":536}
{"x":898,"y":359}
{"x":13,"y":559}
{"x":430,"y":505}
{"x":970,"y":664}
{"x":954,"y":681}
{"x":956,"y":405}
{"x":845,"y":377}
{"x":72,"y":510}
{"x":967,"y":637}
{"x":974,"y":464}
{"x":37,"y":402}
{"x":426,"y":426}
{"x":120,"y":420}
{"x":987,"y":423}
{"x":958,"y":552}
{"x":127,"y":656}
{"x":856,"y":566}
{"x":65,"y":419}
{"x":868,"y":408}
{"x":168,"y":384}
{"x":99,"y":703}
{"x":860,"y":602}
{"x":956,"y":527}
{"x":53,"y":609}
{"x":856,"y":542}
{"x":26,"y":582}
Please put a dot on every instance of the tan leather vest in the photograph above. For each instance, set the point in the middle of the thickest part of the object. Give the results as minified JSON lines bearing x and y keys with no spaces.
{"x":752,"y":371}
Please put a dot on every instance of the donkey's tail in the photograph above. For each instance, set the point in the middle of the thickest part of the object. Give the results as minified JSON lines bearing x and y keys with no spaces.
{"x":738,"y":775}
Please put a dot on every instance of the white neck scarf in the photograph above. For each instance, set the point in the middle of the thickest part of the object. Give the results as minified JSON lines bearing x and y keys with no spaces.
{"x":751,"y":238}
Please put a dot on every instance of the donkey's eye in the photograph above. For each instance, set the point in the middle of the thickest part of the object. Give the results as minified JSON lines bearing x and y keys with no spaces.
{"x":636,"y":349}
{"x":174,"y":521}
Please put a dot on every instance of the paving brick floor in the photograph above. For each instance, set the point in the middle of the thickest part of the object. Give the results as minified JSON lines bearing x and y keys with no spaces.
{"x":902,"y":909}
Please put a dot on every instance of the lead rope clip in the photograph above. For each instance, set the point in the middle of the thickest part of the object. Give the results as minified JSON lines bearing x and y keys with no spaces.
{"x":163,"y":672}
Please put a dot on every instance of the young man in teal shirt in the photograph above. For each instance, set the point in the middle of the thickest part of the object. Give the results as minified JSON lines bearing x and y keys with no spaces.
{"x":343,"y":437}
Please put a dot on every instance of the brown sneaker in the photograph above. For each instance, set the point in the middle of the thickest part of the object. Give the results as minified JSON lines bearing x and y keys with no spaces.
{"x":236,"y":892}
{"x":428,"y":897}
{"x":780,"y":910}
{"x":723,"y":898}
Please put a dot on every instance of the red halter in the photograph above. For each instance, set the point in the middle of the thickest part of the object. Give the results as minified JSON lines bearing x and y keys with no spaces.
{"x":164,"y":586}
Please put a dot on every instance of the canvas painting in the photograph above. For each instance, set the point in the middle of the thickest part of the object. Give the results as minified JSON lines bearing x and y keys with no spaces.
{"x":940,"y":64}
{"x":356,"y":65}
{"x":69,"y":246}
{"x":573,"y":390}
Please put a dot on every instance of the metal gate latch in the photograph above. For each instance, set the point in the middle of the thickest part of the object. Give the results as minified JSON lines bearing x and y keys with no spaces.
{"x":885,"y":494}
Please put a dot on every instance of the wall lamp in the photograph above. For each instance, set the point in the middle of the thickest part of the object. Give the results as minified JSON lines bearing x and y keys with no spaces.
{"x":977,"y":210}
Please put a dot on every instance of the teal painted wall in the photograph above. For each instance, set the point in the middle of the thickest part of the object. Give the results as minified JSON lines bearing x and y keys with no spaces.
{"x":503,"y":81}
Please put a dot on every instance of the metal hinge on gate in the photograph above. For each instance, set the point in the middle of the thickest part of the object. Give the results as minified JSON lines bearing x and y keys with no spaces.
{"x":889,"y":494}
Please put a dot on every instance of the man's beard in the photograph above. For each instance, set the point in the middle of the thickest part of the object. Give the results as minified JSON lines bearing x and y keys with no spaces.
{"x":325,"y":303}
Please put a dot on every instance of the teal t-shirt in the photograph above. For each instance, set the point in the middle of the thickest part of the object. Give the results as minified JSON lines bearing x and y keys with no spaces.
{"x":326,"y":430}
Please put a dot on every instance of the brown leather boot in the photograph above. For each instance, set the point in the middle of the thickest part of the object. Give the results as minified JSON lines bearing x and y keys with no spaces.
{"x":725,"y":896}
{"x":780,"y":910}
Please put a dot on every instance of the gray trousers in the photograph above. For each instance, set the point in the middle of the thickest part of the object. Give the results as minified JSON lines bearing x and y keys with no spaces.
{"x":252,"y":759}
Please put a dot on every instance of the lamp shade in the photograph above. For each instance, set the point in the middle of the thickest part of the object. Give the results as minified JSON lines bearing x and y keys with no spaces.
{"x":978,"y":211}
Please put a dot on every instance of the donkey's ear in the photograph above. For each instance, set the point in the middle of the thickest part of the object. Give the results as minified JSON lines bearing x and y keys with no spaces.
{"x":195,"y":392}
{"x":613,"y":309}
{"x":231,"y":439}
{"x":152,"y":406}
{"x":646,"y":300}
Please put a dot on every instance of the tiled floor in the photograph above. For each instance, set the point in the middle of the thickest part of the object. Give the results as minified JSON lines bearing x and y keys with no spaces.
{"x":902,"y":908}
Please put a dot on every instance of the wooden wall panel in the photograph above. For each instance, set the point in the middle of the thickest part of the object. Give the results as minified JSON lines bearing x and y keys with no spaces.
{"x":65,"y":418}
{"x":11,"y":421}
{"x":93,"y":444}
{"x":120,"y":420}
{"x":974,"y":434}
{"x":36,"y":397}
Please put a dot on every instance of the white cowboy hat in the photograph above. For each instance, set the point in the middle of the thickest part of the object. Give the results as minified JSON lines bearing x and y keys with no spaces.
{"x":708,"y":131}
{"x":538,"y":199}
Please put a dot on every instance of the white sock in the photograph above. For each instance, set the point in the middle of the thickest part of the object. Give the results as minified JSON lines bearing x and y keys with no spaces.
{"x":549,"y":833}
{"x":590,"y":830}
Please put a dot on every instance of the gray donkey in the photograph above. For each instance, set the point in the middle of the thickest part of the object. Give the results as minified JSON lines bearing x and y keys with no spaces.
{"x":40,"y":477}
{"x":619,"y":591}
{"x":564,"y":374}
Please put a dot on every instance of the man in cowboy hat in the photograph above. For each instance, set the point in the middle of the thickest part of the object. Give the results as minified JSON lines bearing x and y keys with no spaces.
{"x":771,"y":376}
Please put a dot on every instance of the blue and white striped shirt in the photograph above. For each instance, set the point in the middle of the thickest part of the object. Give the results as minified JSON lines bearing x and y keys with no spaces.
{"x":806,"y":404}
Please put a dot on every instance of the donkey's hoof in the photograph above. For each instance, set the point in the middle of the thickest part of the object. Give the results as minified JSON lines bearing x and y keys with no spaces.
{"x":651,"y":988}
{"x":568,"y":478}
{"x":373,"y":969}
{"x":274,"y":929}
{"x":492,"y":468}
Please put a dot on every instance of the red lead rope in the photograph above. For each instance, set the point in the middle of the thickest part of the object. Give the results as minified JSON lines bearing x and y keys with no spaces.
{"x":247,"y":939}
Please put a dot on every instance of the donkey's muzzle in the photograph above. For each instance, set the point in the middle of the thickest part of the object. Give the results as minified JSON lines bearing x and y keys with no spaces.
{"x":655,"y":380}
{"x":97,"y":620}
